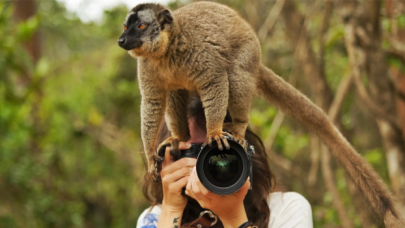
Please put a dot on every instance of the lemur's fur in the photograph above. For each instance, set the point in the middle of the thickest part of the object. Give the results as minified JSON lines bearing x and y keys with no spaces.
{"x":208,"y":49}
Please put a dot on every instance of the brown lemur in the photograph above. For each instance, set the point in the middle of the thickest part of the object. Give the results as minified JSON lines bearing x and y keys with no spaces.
{"x":207,"y":49}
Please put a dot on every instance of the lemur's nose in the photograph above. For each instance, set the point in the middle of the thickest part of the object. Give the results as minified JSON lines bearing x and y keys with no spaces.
{"x":121,"y":41}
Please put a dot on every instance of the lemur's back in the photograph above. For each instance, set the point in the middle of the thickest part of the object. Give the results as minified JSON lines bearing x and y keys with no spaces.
{"x":209,"y":25}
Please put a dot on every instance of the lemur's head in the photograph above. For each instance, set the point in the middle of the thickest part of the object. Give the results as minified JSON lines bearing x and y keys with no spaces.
{"x":146,"y":30}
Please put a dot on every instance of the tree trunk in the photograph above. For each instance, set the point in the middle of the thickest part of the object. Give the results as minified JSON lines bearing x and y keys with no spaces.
{"x":24,"y":10}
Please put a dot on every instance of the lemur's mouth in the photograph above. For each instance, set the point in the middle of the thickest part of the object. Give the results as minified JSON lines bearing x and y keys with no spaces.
{"x":137,"y":44}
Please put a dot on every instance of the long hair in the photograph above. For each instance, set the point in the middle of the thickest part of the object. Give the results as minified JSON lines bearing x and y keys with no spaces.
{"x":255,"y":202}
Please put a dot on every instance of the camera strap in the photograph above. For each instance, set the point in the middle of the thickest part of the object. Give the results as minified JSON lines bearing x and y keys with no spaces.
{"x":202,"y":221}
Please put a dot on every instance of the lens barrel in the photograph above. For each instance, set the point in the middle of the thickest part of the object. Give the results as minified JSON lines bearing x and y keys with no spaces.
{"x":224,"y":171}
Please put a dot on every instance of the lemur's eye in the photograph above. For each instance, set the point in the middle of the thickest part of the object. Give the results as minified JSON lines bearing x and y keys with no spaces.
{"x":142,"y":26}
{"x":125,"y":28}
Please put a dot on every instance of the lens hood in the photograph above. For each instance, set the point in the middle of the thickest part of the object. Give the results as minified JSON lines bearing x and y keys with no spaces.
{"x":224,"y":172}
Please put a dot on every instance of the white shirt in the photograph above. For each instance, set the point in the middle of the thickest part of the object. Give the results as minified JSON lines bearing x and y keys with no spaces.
{"x":287,"y":210}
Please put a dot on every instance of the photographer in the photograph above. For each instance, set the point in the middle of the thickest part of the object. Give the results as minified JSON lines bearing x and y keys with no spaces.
{"x":262,"y":206}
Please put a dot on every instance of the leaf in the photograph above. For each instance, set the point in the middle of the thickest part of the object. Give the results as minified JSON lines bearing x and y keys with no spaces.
{"x":42,"y":68}
{"x":94,"y":117}
{"x":26,"y":29}
{"x":374,"y":156}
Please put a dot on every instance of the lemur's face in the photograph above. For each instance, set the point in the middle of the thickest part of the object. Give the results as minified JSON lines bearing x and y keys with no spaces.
{"x":143,"y":31}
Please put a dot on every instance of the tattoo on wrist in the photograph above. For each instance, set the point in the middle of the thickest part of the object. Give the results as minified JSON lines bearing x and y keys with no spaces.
{"x":175,"y":221}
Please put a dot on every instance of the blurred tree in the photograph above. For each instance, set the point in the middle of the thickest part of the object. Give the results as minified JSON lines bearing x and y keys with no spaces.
{"x":25,"y":11}
{"x":86,"y":169}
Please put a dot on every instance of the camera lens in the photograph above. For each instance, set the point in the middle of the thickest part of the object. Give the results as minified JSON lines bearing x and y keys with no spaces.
{"x":223,"y":167}
{"x":223,"y":171}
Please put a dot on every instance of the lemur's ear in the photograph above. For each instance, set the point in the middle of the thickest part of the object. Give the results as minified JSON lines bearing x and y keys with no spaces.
{"x":164,"y":17}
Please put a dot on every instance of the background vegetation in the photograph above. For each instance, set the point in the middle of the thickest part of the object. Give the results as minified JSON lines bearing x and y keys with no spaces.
{"x":70,"y":148}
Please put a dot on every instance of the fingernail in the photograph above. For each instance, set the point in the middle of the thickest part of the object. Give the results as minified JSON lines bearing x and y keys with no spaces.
{"x":188,"y":144}
{"x":194,"y":170}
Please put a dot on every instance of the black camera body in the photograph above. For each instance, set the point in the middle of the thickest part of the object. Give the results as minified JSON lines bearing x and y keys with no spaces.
{"x":224,"y":171}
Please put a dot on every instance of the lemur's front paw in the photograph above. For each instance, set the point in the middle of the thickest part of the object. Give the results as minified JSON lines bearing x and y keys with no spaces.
{"x":173,"y":142}
{"x":241,"y":141}
{"x":220,"y":139}
{"x":236,"y":131}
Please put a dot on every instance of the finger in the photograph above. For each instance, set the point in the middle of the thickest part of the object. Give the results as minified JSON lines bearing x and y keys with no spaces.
{"x":184,"y":145}
{"x":196,"y":190}
{"x":203,"y":190}
{"x":190,"y":189}
{"x":188,"y":186}
{"x":178,"y":185}
{"x":172,"y":167}
{"x":176,"y":175}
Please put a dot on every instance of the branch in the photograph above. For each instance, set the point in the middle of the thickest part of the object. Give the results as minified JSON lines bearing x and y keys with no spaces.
{"x":286,"y":164}
{"x":251,"y":13}
{"x":270,"y":20}
{"x":389,"y":9}
{"x":315,"y":149}
{"x":396,"y":49}
{"x":373,"y":107}
{"x":392,"y":52}
{"x":327,"y":173}
{"x":278,"y":120}
{"x":354,"y":55}
{"x":331,"y":186}
{"x":110,"y":137}
{"x":297,"y":32}
{"x":341,"y":93}
{"x":327,"y":13}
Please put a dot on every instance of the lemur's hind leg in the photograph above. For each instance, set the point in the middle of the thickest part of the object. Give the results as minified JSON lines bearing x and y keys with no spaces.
{"x":240,"y":100}
{"x":213,"y":89}
{"x":177,"y":121}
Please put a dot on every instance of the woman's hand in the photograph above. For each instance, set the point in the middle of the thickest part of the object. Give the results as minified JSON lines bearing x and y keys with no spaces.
{"x":175,"y":175}
{"x":229,"y":208}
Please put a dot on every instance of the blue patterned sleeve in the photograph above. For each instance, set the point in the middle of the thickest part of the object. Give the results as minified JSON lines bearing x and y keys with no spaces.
{"x":149,"y":218}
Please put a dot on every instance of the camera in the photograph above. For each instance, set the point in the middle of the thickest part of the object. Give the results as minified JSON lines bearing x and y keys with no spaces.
{"x":224,"y":171}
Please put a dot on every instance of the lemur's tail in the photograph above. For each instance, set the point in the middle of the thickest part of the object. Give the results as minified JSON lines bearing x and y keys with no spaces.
{"x":278,"y":92}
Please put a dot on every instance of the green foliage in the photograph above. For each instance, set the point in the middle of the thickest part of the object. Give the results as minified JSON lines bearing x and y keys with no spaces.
{"x":56,"y":105}
{"x":401,"y":21}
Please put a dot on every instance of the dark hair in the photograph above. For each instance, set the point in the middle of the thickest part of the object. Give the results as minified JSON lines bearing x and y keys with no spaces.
{"x":255,"y":202}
